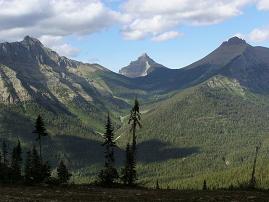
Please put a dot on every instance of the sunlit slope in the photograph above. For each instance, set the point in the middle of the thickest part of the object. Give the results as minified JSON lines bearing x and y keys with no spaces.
{"x":211,"y":127}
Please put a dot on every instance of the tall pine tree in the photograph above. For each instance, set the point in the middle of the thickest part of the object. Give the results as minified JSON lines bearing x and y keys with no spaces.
{"x":28,"y":168}
{"x":35,"y":171}
{"x":128,"y":172}
{"x":5,"y":153}
{"x":16,"y":162}
{"x":130,"y":167}
{"x":252,"y":182}
{"x":40,"y":130}
{"x":5,"y":169}
{"x":109,"y":174}
{"x":63,"y":173}
{"x":134,"y":120}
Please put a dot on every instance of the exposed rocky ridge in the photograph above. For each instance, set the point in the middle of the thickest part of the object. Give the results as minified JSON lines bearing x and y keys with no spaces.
{"x":143,"y":66}
{"x":31,"y":50}
{"x":30,"y":72}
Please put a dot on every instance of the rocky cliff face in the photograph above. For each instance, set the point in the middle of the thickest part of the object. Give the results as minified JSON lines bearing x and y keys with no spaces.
{"x":30,"y":71}
{"x":143,"y":66}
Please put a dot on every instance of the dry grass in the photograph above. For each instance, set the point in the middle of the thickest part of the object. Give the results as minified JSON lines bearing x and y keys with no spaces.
{"x":80,"y":193}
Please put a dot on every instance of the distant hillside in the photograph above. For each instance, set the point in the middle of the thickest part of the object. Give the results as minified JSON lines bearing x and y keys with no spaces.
{"x":212,"y":127}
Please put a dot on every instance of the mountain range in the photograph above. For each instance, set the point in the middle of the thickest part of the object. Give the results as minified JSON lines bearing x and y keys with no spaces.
{"x":200,"y":121}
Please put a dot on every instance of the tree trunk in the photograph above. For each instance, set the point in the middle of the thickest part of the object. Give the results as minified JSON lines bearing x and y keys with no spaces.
{"x":253,"y":180}
{"x":40,"y":149}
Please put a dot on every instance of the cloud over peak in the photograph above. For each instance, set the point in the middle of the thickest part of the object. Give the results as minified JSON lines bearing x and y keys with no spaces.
{"x":138,"y":19}
{"x":150,"y":18}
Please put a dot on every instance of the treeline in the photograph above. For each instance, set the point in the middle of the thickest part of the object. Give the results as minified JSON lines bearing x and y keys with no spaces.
{"x":33,"y":170}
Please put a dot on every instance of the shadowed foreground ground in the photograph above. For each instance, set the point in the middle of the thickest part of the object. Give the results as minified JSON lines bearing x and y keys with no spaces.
{"x":22,"y":194}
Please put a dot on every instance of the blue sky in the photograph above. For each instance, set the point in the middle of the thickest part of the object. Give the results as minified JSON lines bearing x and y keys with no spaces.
{"x":111,"y":50}
{"x":112,"y":33}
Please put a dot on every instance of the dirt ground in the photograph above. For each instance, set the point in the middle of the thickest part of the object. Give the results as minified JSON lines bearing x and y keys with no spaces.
{"x":92,"y":194}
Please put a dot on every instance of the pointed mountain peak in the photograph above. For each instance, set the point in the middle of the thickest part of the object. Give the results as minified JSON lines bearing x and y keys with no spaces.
{"x":235,"y":41}
{"x":31,"y":41}
{"x":143,"y":66}
{"x":144,"y":55}
{"x":224,"y":54}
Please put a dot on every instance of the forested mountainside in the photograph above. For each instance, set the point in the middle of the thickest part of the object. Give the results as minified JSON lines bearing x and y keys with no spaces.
{"x":201,"y":121}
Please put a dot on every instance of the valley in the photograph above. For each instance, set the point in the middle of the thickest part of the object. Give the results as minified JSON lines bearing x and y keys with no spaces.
{"x":199,"y":122}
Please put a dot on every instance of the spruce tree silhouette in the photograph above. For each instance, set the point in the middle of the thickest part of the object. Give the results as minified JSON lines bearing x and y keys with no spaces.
{"x":5,"y":153}
{"x":37,"y":166}
{"x":109,"y":174}
{"x":16,"y":163}
{"x":252,"y":182}
{"x":134,"y":120}
{"x":5,"y":169}
{"x":157,"y":185}
{"x":28,"y":168}
{"x":35,"y":171}
{"x":205,"y":185}
{"x":40,"y":130}
{"x":128,"y":172}
{"x":63,"y":173}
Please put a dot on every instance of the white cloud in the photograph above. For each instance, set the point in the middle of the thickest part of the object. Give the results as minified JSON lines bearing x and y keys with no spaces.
{"x":133,"y":34}
{"x":58,"y":44}
{"x":256,"y":35}
{"x":166,"y":36}
{"x":149,"y":18}
{"x":54,"y":18}
{"x":259,"y":35}
{"x":239,"y":35}
{"x":263,"y":5}
{"x":158,"y":20}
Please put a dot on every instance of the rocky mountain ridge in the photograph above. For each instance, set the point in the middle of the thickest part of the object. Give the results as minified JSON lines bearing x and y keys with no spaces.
{"x":141,"y":67}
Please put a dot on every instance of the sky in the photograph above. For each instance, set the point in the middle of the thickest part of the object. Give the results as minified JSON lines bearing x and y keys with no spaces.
{"x":174,"y":33}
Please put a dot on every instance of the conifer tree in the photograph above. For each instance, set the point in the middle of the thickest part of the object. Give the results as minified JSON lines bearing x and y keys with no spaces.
{"x":35,"y":171}
{"x":36,"y":166}
{"x":125,"y":170}
{"x":5,"y":153}
{"x":109,"y":174}
{"x":134,"y":120}
{"x":1,"y":169}
{"x":157,"y":184}
{"x":28,"y":168}
{"x":40,"y":130}
{"x":252,"y":183}
{"x":128,"y":172}
{"x":204,"y":185}
{"x":16,"y":163}
{"x":45,"y":171}
{"x":63,"y":173}
{"x":5,"y":169}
